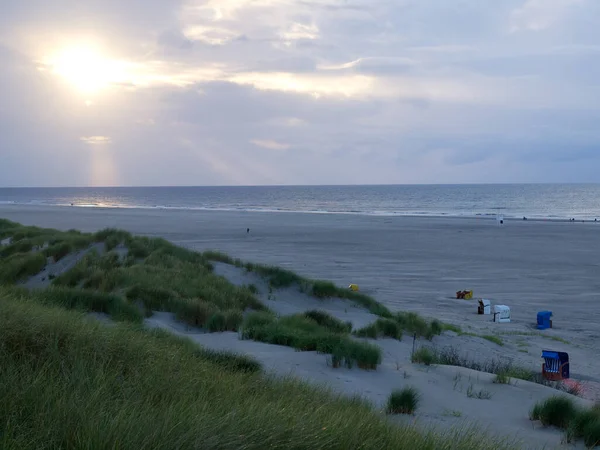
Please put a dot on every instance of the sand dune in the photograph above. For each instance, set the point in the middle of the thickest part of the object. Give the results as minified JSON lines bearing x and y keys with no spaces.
{"x":412,"y":264}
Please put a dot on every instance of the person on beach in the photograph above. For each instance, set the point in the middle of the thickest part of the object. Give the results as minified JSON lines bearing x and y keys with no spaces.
{"x":247,"y":230}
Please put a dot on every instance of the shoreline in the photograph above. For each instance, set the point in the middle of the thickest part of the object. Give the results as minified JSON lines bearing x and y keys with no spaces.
{"x":386,"y":215}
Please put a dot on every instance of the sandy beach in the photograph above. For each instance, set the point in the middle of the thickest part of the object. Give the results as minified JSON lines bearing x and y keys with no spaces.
{"x":411,"y":264}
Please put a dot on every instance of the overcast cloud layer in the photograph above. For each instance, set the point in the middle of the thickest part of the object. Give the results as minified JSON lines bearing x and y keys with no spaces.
{"x":205,"y":92}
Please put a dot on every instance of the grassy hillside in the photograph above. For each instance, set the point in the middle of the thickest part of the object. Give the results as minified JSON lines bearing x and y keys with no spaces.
{"x":128,"y":277}
{"x":68,"y":381}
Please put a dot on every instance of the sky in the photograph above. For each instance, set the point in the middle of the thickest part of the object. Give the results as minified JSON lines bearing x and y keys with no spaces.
{"x":262,"y":92}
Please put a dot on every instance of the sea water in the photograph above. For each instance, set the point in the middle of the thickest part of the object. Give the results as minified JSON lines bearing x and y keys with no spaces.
{"x":534,"y":201}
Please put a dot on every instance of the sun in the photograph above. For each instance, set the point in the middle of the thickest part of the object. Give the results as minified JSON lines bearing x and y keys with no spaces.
{"x":87,"y":70}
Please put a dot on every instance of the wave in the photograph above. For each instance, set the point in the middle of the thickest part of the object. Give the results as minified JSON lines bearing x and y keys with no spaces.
{"x":261,"y":209}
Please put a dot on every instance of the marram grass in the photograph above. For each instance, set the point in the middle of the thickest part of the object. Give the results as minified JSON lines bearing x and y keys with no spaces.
{"x":68,"y":382}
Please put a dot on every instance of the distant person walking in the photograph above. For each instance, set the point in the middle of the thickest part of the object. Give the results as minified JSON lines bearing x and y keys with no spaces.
{"x":247,"y":230}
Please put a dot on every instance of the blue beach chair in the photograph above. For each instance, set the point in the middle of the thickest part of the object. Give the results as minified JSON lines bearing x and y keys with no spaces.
{"x":555,"y":366}
{"x":544,"y":320}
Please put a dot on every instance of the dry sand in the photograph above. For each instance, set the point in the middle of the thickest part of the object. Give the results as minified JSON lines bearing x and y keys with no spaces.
{"x":448,"y":394}
{"x":56,"y":268}
{"x":413,"y":264}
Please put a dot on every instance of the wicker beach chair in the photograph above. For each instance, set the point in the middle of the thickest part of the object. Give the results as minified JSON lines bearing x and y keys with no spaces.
{"x":555,"y":366}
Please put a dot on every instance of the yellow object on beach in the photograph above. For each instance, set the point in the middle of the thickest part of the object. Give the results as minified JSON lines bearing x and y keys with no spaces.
{"x":353,"y":287}
{"x":469,"y":295}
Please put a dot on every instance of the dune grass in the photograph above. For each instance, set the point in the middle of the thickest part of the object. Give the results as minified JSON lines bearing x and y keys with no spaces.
{"x":400,"y":322}
{"x":329,"y":322}
{"x":493,"y":338}
{"x":85,"y":300}
{"x":50,"y":242}
{"x":304,"y":333}
{"x":488,"y":337}
{"x":563,"y":413}
{"x":502,"y":378}
{"x":403,"y":401}
{"x":155,"y":275}
{"x":503,"y":369}
{"x":163,"y":277}
{"x":19,"y":266}
{"x":381,"y":327}
{"x":71,"y":383}
{"x":424,"y":355}
{"x":278,"y":277}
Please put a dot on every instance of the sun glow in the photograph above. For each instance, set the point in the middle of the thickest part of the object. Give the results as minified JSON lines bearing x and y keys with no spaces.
{"x":88,"y":70}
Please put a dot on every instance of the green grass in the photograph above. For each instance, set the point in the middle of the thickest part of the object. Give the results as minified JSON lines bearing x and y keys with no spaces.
{"x":195,"y":312}
{"x":502,"y":378}
{"x":282,"y":278}
{"x":538,"y":334}
{"x":20,"y":266}
{"x":451,"y":327}
{"x":492,"y":338}
{"x":425,"y":356}
{"x":167,"y":278}
{"x":259,"y":319}
{"x":58,"y":251}
{"x":450,"y":356}
{"x":84,"y":300}
{"x":156,"y":275}
{"x":67,"y":382}
{"x":381,"y":327}
{"x":305,"y":334}
{"x":403,"y":401}
{"x":413,"y":323}
{"x":488,"y":337}
{"x":329,"y":322}
{"x":556,"y":411}
{"x":276,"y":276}
{"x":369,"y":331}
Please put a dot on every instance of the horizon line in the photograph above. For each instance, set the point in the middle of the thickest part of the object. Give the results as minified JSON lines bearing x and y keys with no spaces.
{"x":301,"y":185}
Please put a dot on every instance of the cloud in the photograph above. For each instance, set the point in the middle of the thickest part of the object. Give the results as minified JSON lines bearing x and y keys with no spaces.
{"x":537,"y":15}
{"x":270,"y":144}
{"x":299,"y":92}
{"x":97,"y":140}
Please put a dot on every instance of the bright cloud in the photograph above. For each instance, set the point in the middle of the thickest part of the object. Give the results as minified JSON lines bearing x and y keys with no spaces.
{"x":300,"y":92}
{"x":96,"y":140}
{"x":270,"y":144}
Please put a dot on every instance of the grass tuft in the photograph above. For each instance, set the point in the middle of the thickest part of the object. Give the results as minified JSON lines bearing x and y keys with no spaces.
{"x":381,"y":327}
{"x":20,"y":266}
{"x":557,"y":411}
{"x":370,"y":331}
{"x":194,"y":312}
{"x":305,"y":334}
{"x":329,"y":322}
{"x":323,"y":289}
{"x":494,"y":339}
{"x":109,"y":387}
{"x":425,"y":356}
{"x":404,"y":401}
{"x":83,"y":300}
{"x":502,"y":378}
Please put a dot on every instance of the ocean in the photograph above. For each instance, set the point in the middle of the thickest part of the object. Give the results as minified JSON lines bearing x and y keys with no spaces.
{"x":534,"y":201}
